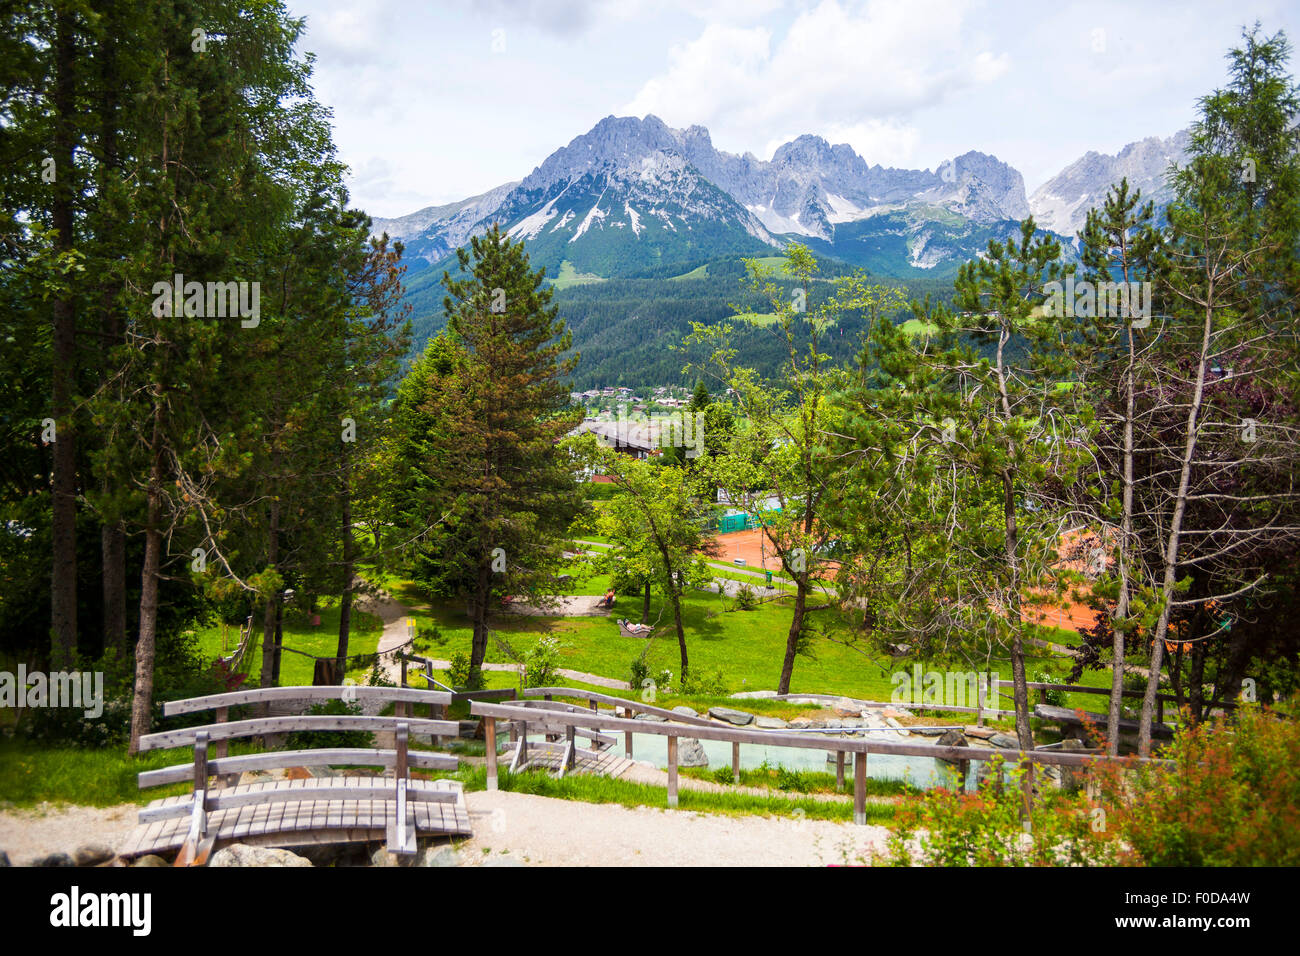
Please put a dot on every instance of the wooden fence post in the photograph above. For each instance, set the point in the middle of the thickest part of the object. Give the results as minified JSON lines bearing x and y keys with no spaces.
{"x":860,"y":788}
{"x":571,"y":743}
{"x":735,"y":762}
{"x":627,"y":744}
{"x":839,"y":770}
{"x":672,"y":770}
{"x":401,"y":771}
{"x":221,"y":747}
{"x":490,"y":733}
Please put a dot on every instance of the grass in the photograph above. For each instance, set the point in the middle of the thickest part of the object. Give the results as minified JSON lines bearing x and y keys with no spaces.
{"x":700,"y":272}
{"x":593,"y":789}
{"x":569,"y":276}
{"x":31,"y":774}
{"x":319,"y":641}
{"x":798,"y":781}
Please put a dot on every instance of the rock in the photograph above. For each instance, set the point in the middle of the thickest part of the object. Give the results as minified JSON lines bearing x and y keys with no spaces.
{"x":151,"y":860}
{"x":381,"y":857}
{"x":439,"y":856}
{"x":4,"y":859}
{"x":983,"y":733}
{"x":1070,"y":743}
{"x":503,"y":860}
{"x":92,"y":854}
{"x":770,"y":723}
{"x":1005,"y":741}
{"x":803,"y":723}
{"x":952,"y":738}
{"x":834,"y":723}
{"x":688,"y":711}
{"x":932,"y":731}
{"x":240,"y":854}
{"x":737,"y":717}
{"x":657,"y":718}
{"x":754,"y":694}
{"x":895,"y":712}
{"x":847,"y":707}
{"x":53,"y":859}
{"x":690,"y":753}
{"x":903,"y":731}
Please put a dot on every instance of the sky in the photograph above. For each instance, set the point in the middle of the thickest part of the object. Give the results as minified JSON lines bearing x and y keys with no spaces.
{"x":437,"y":101}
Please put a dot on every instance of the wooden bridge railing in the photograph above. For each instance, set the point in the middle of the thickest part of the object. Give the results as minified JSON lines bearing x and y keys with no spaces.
{"x":206,"y":799}
{"x":681,"y":725}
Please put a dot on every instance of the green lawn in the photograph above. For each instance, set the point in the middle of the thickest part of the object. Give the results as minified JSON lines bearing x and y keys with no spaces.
{"x":319,"y":641}
{"x":569,"y":276}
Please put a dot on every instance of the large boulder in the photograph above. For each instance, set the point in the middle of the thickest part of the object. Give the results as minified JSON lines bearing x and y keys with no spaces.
{"x":952,"y":738}
{"x":770,"y":723}
{"x":690,"y":753}
{"x":847,"y":707}
{"x":687,"y":711}
{"x":92,"y":854}
{"x":149,"y":860}
{"x":1005,"y":741}
{"x":240,"y":854}
{"x":737,"y":717}
{"x":53,"y":859}
{"x":439,"y":856}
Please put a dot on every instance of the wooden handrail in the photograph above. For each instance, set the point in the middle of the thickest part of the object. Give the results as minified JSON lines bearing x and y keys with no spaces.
{"x":277,"y":725}
{"x":278,"y":759}
{"x":623,"y":702}
{"x":348,"y":692}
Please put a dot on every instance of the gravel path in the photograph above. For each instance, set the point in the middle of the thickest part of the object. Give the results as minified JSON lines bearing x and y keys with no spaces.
{"x":546,"y":832}
{"x":31,"y":833}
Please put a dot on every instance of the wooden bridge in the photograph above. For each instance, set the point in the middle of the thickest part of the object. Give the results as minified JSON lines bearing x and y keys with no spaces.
{"x":295,"y":812}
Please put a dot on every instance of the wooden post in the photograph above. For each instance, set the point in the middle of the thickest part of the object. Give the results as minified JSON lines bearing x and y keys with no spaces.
{"x":672,"y":770}
{"x":860,"y":788}
{"x":627,"y":744}
{"x":490,"y":733}
{"x":201,"y":761}
{"x":221,"y":747}
{"x":735,"y":762}
{"x":570,"y":758}
{"x":401,"y":772}
{"x":839,"y":770}
{"x":522,"y":755}
{"x":402,"y":657}
{"x":979,"y":702}
{"x":593,"y":705}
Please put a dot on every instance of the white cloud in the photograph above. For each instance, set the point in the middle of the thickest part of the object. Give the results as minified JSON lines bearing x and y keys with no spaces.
{"x":857,"y":68}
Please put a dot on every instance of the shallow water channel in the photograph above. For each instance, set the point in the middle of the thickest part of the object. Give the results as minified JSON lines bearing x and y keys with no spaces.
{"x":922,"y":772}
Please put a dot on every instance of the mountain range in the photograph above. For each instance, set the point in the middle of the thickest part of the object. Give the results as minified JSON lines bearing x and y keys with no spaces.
{"x":633,"y":197}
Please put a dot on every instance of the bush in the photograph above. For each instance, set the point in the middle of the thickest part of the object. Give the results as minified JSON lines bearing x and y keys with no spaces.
{"x":325,"y":739}
{"x":462,"y":676}
{"x":947,"y":828}
{"x":541,"y":663}
{"x":428,"y":635}
{"x":703,"y":684}
{"x":746,"y":599}
{"x":1232,"y":797}
{"x":1054,"y":697}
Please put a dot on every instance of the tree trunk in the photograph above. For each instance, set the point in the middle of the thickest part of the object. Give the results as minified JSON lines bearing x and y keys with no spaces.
{"x":345,"y":600}
{"x":142,"y":699}
{"x":113,"y":552}
{"x":792,"y":638}
{"x":645,"y":604}
{"x":270,"y":647}
{"x":681,"y":632}
{"x":1118,"y":634}
{"x":482,"y":594}
{"x":63,"y":584}
{"x":1175,"y":533}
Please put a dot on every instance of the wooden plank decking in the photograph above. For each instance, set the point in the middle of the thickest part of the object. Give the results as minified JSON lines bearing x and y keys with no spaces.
{"x":547,"y":756}
{"x":300,"y":822}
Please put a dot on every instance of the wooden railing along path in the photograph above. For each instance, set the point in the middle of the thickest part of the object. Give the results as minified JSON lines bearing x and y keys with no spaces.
{"x":679,"y":725}
{"x":294,"y":812}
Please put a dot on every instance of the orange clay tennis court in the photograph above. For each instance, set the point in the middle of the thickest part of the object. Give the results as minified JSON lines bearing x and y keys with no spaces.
{"x":756,"y":550}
